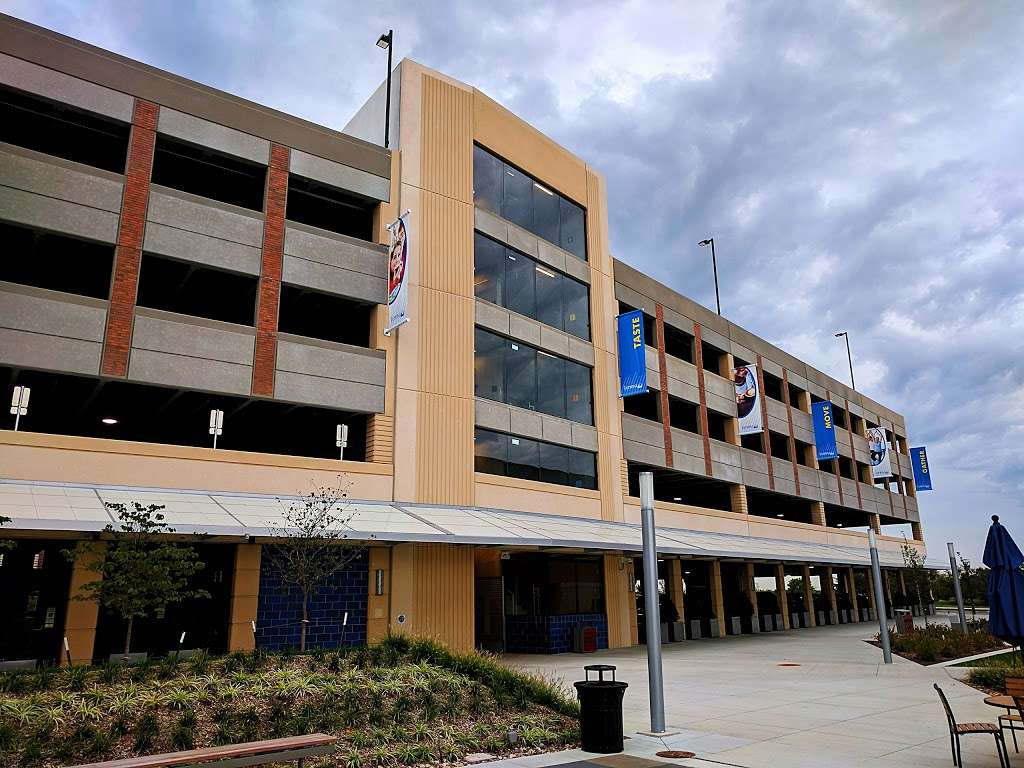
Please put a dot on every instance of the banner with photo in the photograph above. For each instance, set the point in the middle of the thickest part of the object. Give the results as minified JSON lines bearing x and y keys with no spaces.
{"x":398,"y":273}
{"x":632,"y":354}
{"x":824,"y":430}
{"x":748,"y":399}
{"x":922,"y":475}
{"x":878,"y":450}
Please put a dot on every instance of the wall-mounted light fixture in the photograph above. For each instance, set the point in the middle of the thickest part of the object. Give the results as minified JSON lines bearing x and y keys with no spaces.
{"x":378,"y":581}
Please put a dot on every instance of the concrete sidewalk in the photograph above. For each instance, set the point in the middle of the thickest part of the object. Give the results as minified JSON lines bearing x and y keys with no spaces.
{"x":733,"y":703}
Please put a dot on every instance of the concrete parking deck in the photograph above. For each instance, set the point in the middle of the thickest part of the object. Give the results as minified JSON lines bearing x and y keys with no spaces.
{"x":733,"y":702}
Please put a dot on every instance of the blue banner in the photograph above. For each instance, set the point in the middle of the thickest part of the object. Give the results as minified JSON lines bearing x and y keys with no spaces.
{"x":632,"y":354}
{"x":922,"y":473}
{"x":824,"y":430}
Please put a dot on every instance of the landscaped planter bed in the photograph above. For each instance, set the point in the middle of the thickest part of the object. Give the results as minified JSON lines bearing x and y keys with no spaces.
{"x":401,"y":702}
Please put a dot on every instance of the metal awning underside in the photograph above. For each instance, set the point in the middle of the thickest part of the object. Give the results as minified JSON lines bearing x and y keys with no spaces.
{"x":41,"y":506}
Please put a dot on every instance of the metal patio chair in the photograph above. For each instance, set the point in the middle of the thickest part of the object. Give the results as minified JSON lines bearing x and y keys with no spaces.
{"x":956,"y":730}
{"x":1014,"y":721}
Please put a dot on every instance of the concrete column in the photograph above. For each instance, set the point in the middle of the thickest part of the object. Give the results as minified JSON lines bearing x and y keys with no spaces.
{"x":717,"y":598}
{"x":830,"y":591}
{"x":818,"y":513}
{"x":620,"y":602}
{"x":748,"y":586}
{"x":851,"y":581}
{"x":675,"y":586}
{"x":780,"y":592}
{"x":809,"y":597}
{"x":245,"y":596}
{"x":918,"y":531}
{"x":871,"y":593}
{"x":82,"y":615}
{"x":738,"y":499}
{"x":876,"y":523}
{"x":377,"y":605}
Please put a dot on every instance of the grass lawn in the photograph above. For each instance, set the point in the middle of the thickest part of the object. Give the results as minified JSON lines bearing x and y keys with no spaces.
{"x":401,"y":702}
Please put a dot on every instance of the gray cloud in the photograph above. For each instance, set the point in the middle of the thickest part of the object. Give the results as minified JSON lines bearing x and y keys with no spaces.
{"x":858,"y":164}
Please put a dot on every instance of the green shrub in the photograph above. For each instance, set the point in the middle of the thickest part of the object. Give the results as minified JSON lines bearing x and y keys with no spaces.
{"x":147,"y":730}
{"x":941,"y":642}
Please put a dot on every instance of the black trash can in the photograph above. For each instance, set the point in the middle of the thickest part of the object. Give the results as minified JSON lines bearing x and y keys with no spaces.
{"x":600,"y":710}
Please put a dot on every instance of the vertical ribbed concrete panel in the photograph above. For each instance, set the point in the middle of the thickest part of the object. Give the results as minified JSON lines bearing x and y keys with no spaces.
{"x":432,"y":593}
{"x":443,"y":279}
{"x":245,"y":591}
{"x":738,"y":499}
{"x":618,"y":601}
{"x":82,"y":615}
{"x":818,"y":513}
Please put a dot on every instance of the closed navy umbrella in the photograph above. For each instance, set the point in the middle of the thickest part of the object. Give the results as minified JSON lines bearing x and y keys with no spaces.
{"x":1005,"y":585}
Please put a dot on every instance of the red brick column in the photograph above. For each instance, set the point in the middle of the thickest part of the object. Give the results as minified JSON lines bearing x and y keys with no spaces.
{"x":766,"y":437}
{"x":792,"y":434}
{"x":698,"y":357}
{"x":131,"y":228}
{"x":853,"y":454}
{"x":666,"y":423}
{"x":269,"y":298}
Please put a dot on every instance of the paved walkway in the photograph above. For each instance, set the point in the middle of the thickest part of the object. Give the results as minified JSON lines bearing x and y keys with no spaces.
{"x":734,"y":704}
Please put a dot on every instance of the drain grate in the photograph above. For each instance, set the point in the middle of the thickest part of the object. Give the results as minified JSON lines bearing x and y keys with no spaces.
{"x":678,"y":754}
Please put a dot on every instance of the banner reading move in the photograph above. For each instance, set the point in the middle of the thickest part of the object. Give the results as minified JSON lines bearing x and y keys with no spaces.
{"x":632,"y":354}
{"x":748,"y":399}
{"x":824,"y":430}
{"x":878,"y":450}
{"x":922,"y":475}
{"x":398,"y":273}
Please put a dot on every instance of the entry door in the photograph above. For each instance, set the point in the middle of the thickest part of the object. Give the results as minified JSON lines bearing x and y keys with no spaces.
{"x":490,"y":613}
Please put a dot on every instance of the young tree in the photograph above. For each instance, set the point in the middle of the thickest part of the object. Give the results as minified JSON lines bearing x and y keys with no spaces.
{"x":311,"y":549}
{"x":920,"y":578}
{"x":971,"y":579}
{"x":141,"y":569}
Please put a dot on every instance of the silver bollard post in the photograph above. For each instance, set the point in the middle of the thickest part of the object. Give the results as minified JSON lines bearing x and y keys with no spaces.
{"x":956,"y":587}
{"x":883,"y":622}
{"x":652,"y":613}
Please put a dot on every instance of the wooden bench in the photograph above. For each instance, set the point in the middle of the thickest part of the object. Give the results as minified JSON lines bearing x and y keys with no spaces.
{"x":233,"y":755}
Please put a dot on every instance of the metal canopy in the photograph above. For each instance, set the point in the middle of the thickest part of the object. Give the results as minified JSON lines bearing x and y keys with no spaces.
{"x":41,"y":506}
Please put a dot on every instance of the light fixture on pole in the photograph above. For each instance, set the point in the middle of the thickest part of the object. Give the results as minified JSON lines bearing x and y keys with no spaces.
{"x":387,"y":42}
{"x":216,"y":424}
{"x":849,"y":357}
{"x":341,"y":440}
{"x":714,"y":266}
{"x":19,"y":404}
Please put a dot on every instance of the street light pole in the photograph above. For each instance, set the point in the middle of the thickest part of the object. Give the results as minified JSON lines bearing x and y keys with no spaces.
{"x":386,"y":41}
{"x":876,"y":577}
{"x":714,"y":266}
{"x":651,"y":605}
{"x":849,"y":357}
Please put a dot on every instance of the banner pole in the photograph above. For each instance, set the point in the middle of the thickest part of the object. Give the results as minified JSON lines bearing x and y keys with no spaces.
{"x":883,"y":622}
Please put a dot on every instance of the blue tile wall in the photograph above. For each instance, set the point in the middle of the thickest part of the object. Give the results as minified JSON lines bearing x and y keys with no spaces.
{"x":551,"y":634}
{"x":279,"y":610}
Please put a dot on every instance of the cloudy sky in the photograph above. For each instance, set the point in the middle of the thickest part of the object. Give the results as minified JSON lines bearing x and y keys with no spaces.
{"x":858,"y":163}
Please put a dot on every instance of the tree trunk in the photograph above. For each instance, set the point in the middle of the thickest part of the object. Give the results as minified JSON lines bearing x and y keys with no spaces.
{"x":305,"y":622}
{"x":128,"y":636}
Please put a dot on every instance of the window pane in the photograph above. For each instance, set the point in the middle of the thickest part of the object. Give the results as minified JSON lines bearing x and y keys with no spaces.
{"x":550,"y":384}
{"x":517,"y":198}
{"x":545,"y":213}
{"x":488,"y":268}
{"x":522,"y":458}
{"x":489,"y":369}
{"x":573,"y":230}
{"x":561,"y":587}
{"x":520,"y":375}
{"x":577,"y":308}
{"x":548,"y":296}
{"x":491,"y":451}
{"x":582,"y":469}
{"x":519,"y":282}
{"x":590,"y":586}
{"x":486,"y":180}
{"x":554,"y":464}
{"x":577,"y":393}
